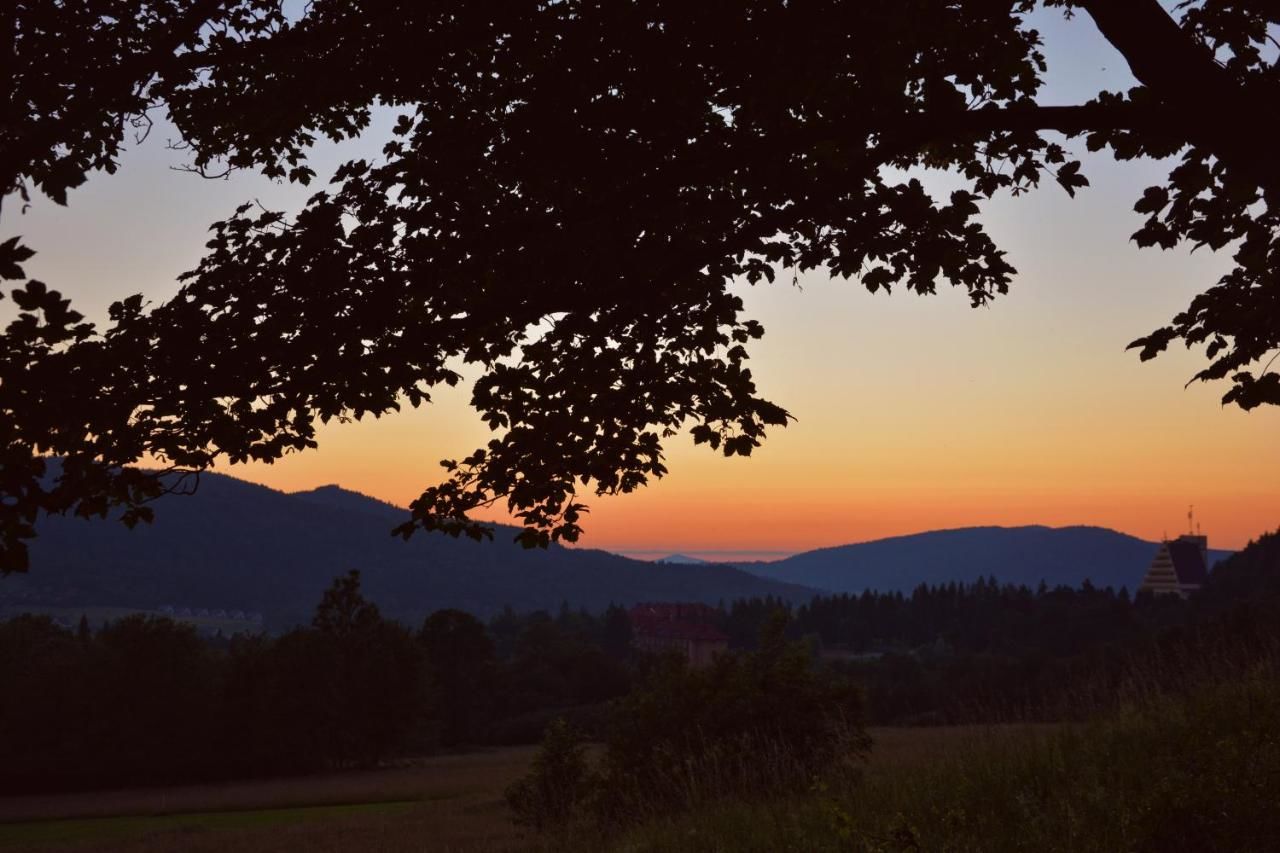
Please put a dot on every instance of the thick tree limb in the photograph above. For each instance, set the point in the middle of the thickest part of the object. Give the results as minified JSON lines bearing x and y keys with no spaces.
{"x":1218,"y":112}
{"x":1158,"y":51}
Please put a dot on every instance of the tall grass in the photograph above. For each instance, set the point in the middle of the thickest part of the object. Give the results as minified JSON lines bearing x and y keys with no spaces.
{"x":753,"y":765}
{"x":1239,"y":645}
{"x":749,"y":725}
{"x":1165,"y":770}
{"x":1173,"y":745}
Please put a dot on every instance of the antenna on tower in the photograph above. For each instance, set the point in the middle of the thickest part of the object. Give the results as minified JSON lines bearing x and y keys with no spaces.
{"x":1191,"y":525}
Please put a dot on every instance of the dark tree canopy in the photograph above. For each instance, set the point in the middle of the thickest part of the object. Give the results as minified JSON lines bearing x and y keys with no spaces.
{"x":569,"y":192}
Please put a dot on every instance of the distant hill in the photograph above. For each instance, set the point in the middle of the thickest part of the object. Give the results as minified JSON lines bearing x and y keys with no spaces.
{"x":1021,"y":555}
{"x":239,"y":546}
{"x":683,"y":560}
{"x":336,"y":497}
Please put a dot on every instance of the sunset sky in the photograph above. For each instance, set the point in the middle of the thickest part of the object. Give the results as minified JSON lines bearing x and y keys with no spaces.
{"x":913,"y":413}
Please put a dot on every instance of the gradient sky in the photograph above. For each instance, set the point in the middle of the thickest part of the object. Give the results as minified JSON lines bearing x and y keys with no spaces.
{"x":914,"y":413}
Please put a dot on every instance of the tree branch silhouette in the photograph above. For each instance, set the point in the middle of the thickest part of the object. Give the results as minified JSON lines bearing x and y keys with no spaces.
{"x":566,"y":196}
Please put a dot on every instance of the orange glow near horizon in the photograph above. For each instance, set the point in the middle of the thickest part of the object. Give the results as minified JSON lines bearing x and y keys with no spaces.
{"x":995,"y":417}
{"x":716,"y":505}
{"x":921,"y":413}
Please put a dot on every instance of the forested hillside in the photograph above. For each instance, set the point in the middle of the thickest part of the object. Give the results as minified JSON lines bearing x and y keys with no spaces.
{"x":1019,"y":555}
{"x":238,"y":546}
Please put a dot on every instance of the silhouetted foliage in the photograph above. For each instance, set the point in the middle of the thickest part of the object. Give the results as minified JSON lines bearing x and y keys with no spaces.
{"x":1251,"y":574}
{"x":137,"y":703}
{"x":559,"y":782}
{"x":1170,"y":773}
{"x":751,"y":724}
{"x":373,"y":686}
{"x":148,"y":701}
{"x":615,"y":632}
{"x":568,"y":191}
{"x":960,"y":652}
{"x":462,"y":674}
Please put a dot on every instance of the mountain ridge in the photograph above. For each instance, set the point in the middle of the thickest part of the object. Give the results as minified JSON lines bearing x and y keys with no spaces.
{"x":235,"y":545}
{"x":242,"y":546}
{"x":1024,"y":554}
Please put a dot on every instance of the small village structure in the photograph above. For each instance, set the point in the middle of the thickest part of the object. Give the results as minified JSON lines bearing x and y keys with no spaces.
{"x":688,"y":629}
{"x":1180,"y":567}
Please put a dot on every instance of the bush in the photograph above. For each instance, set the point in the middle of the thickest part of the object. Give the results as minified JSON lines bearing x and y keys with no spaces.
{"x":558,"y":784}
{"x":752,"y":725}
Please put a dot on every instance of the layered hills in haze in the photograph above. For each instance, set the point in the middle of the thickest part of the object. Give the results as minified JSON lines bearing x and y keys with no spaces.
{"x":1065,"y":556}
{"x":682,"y":560}
{"x":238,"y":546}
{"x":234,"y":545}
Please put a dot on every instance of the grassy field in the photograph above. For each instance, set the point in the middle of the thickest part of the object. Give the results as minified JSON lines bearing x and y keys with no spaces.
{"x":1174,"y":774}
{"x":97,"y":830}
{"x":446,"y":803}
{"x":1179,"y":774}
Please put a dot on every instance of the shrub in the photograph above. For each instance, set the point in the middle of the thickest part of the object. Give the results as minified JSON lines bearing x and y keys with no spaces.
{"x":559,"y":782}
{"x":750,"y":725}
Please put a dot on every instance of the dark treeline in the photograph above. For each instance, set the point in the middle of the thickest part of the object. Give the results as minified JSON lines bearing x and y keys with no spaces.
{"x":960,"y":651}
{"x":983,"y":617}
{"x":759,"y":723}
{"x":146,"y":700}
{"x":986,"y":651}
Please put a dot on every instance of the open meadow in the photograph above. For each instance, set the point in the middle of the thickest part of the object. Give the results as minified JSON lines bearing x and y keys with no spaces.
{"x":443,"y":803}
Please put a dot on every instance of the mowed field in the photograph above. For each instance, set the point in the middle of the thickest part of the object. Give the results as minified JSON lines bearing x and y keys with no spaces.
{"x":444,"y":803}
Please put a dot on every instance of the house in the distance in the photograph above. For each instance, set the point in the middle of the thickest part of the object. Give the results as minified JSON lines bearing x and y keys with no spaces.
{"x":685,"y":628}
{"x":1180,"y":567}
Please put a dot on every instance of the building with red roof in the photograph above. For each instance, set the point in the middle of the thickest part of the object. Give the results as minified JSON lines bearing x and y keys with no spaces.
{"x":688,"y":629}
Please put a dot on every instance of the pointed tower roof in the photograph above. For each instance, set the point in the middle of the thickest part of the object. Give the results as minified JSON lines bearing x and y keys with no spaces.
{"x":1180,"y":567}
